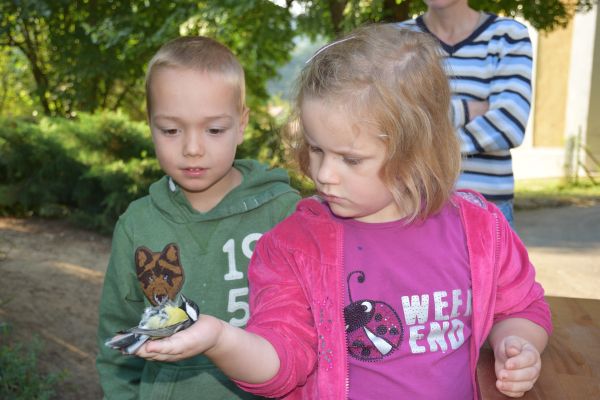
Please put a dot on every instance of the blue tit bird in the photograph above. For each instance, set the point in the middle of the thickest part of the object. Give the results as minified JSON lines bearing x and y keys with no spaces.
{"x":156,"y":322}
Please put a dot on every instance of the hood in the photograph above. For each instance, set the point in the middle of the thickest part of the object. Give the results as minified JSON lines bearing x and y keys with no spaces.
{"x":260,"y":184}
{"x":314,"y":206}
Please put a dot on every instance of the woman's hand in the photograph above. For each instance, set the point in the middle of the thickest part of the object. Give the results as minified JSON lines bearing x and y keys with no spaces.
{"x":477,"y":108}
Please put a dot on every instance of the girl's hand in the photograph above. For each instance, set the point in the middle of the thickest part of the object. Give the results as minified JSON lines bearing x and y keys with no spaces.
{"x":201,"y":336}
{"x":517,"y":364}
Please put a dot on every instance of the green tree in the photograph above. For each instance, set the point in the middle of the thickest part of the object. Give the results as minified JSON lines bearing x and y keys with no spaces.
{"x":89,"y":55}
{"x":82,"y":55}
{"x":331,"y":17}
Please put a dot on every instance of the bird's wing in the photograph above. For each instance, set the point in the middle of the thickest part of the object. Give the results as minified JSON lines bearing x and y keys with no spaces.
{"x":161,"y":332}
{"x":121,"y":341}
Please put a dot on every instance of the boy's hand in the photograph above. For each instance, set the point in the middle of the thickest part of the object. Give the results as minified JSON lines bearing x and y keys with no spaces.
{"x":517,"y":364}
{"x":198,"y":338}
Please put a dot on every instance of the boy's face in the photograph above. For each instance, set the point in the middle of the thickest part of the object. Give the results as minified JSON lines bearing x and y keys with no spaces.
{"x":196,"y":127}
{"x":346,"y":158}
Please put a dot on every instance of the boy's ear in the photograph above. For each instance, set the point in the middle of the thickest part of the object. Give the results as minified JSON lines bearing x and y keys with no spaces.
{"x":244,"y":118}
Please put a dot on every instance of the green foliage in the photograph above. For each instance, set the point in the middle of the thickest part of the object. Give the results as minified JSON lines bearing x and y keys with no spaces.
{"x":545,"y":15}
{"x":90,"y":56}
{"x":19,"y":375}
{"x":85,"y":56}
{"x":259,"y":32}
{"x":103,"y":137}
{"x":35,"y":167}
{"x":90,"y":168}
{"x":16,"y":84}
{"x":331,"y":17}
{"x":106,"y":190}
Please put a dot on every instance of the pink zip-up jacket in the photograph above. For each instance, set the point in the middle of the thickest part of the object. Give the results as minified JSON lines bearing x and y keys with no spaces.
{"x":296,"y":294}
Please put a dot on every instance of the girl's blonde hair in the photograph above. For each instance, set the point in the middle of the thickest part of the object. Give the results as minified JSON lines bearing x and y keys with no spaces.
{"x":393,"y":78}
{"x":202,"y":54}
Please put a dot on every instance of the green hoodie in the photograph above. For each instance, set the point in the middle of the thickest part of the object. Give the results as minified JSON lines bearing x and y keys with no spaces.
{"x":212,"y":252}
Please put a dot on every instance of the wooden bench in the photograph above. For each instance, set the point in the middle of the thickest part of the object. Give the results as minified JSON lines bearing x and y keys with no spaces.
{"x":571,"y":361}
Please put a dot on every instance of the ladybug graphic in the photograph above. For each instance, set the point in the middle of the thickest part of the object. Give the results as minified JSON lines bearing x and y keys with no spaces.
{"x":373,"y":328}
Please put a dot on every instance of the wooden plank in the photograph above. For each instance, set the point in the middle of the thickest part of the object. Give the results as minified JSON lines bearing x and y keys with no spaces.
{"x":571,"y":361}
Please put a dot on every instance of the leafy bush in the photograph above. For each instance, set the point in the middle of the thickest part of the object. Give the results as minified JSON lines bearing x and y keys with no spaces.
{"x":35,"y":169}
{"x":89,"y":168}
{"x":19,"y":375}
{"x":102,"y":137}
{"x":119,"y":182}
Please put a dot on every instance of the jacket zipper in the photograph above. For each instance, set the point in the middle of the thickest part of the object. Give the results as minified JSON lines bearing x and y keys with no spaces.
{"x":340,"y":274}
{"x":475,"y":347}
{"x":497,"y":248}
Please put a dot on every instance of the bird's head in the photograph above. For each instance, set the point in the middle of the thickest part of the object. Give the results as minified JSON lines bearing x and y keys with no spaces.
{"x":190,"y":308}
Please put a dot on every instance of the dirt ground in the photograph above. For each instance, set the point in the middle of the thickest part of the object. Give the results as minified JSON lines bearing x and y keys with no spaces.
{"x":50,"y":281}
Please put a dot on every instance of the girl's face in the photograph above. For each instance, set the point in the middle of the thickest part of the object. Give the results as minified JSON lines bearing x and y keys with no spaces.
{"x":346,"y":157}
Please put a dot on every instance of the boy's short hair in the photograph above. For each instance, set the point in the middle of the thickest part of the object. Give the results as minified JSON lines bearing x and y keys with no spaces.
{"x":202,"y":54}
{"x":392,"y":78}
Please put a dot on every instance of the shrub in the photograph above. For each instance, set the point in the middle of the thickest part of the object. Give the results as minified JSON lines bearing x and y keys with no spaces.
{"x":103,"y":137}
{"x":90,"y":168}
{"x":35,"y":169}
{"x":119,"y":183}
{"x":20,"y":378}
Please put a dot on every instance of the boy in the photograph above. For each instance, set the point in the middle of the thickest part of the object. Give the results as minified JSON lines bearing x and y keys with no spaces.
{"x":194,"y":233}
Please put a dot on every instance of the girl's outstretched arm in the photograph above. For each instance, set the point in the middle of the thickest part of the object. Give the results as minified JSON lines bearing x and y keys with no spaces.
{"x":517,"y":344}
{"x":241,"y":355}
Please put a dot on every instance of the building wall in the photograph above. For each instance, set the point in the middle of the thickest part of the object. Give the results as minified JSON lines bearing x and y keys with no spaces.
{"x":566,"y":99}
{"x":552,"y":73}
{"x":593,"y":122}
{"x":582,"y":115}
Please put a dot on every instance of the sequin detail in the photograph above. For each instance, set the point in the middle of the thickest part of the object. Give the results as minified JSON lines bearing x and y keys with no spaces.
{"x":373,"y":328}
{"x":471,"y":198}
{"x":325,"y":353}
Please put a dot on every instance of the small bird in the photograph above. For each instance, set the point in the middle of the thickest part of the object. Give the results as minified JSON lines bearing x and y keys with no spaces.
{"x":156,"y":322}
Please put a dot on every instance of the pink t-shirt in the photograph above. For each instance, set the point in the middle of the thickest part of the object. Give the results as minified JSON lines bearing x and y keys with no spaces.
{"x":408,"y":309}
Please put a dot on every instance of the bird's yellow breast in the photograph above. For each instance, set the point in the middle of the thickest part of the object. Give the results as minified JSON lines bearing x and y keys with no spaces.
{"x":168,"y":315}
{"x":176,"y":315}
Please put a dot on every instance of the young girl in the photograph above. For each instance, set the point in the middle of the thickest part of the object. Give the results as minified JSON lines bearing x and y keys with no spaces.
{"x":387,"y":284}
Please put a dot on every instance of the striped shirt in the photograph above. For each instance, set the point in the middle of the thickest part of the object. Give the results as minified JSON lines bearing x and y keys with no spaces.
{"x":494,"y":63}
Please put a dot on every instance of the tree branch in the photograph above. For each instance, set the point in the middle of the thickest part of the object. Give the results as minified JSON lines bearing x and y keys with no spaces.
{"x":336,"y":9}
{"x":394,"y":12}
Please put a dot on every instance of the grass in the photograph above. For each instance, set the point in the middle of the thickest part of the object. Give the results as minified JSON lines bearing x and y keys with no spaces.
{"x":20,"y":377}
{"x":556,"y":192}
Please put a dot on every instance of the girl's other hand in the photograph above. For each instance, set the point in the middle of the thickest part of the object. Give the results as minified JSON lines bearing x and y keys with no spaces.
{"x":518,"y":364}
